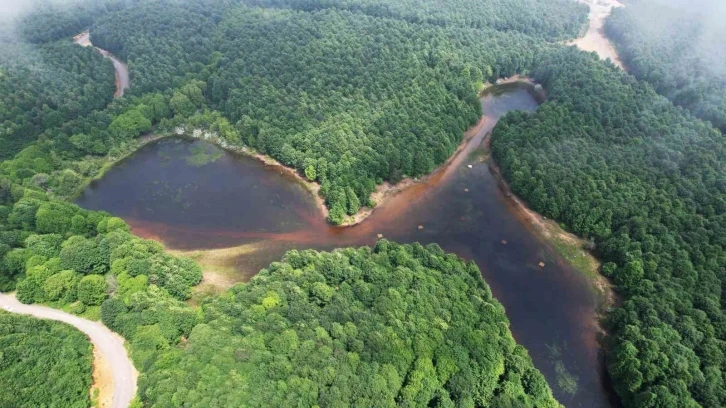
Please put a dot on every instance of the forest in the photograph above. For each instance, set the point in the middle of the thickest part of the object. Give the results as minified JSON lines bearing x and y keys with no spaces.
{"x":681,"y":53}
{"x":617,"y":163}
{"x":43,"y":364}
{"x":399,"y":325}
{"x":41,"y":87}
{"x":351,"y":94}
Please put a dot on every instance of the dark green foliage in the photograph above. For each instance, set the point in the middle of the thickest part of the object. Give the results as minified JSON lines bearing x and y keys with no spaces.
{"x":51,"y":20}
{"x":616,"y":162}
{"x":43,"y":364}
{"x":680,"y":52}
{"x":384,"y":105}
{"x":41,"y":87}
{"x":563,"y":19}
{"x":400,"y":325}
{"x":83,"y":256}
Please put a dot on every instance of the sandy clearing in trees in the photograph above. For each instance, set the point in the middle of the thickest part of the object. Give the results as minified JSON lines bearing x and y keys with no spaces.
{"x":595,"y":38}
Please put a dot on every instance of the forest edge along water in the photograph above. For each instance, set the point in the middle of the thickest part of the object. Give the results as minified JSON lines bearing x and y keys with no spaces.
{"x":122,"y":71}
{"x":235,"y":216}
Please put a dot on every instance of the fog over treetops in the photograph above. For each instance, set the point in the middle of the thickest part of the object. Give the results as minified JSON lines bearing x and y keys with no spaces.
{"x":676,"y":46}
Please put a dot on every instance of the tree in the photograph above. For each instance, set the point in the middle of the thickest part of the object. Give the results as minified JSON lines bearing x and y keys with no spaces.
{"x":92,"y":290}
{"x":83,"y":256}
{"x":181,"y":105}
{"x":61,"y":285}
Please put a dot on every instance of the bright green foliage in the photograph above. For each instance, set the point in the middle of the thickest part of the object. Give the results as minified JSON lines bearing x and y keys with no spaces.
{"x":92,"y":290}
{"x":61,"y":286}
{"x":616,"y":162}
{"x":180,"y":104}
{"x":129,"y":125}
{"x":43,"y":364}
{"x":54,"y":217}
{"x":40,"y":252}
{"x":401,"y":325}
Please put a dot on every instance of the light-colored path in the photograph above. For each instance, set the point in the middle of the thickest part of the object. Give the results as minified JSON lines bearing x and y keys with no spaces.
{"x":595,"y":38}
{"x":108,"y":346}
{"x":123,"y":80}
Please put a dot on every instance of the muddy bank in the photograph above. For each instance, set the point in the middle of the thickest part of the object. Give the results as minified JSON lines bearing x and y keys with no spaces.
{"x":121,"y":70}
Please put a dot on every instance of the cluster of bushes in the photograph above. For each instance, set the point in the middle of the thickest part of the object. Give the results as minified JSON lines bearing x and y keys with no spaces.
{"x":61,"y":254}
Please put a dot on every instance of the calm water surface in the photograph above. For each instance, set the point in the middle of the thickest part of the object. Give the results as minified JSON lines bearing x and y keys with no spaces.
{"x":193,"y":195}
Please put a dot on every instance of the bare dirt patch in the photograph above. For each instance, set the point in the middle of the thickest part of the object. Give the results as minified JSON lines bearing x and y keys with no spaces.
{"x":102,"y":387}
{"x":595,"y":38}
{"x":219,"y":269}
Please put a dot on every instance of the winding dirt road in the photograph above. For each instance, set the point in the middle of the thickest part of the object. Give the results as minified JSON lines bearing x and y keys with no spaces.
{"x":123,"y":80}
{"x":109,"y":350}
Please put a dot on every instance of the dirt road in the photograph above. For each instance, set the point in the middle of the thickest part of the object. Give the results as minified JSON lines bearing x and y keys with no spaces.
{"x":109,"y":350}
{"x":595,"y":38}
{"x":123,"y":80}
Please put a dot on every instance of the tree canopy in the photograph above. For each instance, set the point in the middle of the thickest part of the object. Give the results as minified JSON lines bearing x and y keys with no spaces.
{"x":681,"y":52}
{"x":43,"y":364}
{"x":399,"y":325}
{"x":616,"y":162}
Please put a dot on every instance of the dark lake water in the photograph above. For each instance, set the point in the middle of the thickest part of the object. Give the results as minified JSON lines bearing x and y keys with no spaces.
{"x":193,"y":195}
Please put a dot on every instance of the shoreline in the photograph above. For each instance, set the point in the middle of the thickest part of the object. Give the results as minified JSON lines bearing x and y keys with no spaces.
{"x":386,"y":191}
{"x":564,"y":243}
{"x":383,"y":193}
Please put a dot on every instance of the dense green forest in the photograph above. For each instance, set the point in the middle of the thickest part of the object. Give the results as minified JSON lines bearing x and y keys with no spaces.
{"x":564,"y":18}
{"x":681,"y":52}
{"x":615,"y":162}
{"x":400,"y":325}
{"x":348,"y":99}
{"x":41,"y":87}
{"x":351,"y":94}
{"x":61,"y":254}
{"x":43,"y":364}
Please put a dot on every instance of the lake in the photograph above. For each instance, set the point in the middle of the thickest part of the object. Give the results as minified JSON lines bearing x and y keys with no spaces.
{"x":190,"y":195}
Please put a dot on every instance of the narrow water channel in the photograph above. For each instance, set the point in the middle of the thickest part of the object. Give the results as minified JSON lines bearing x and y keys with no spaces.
{"x":193,"y":195}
